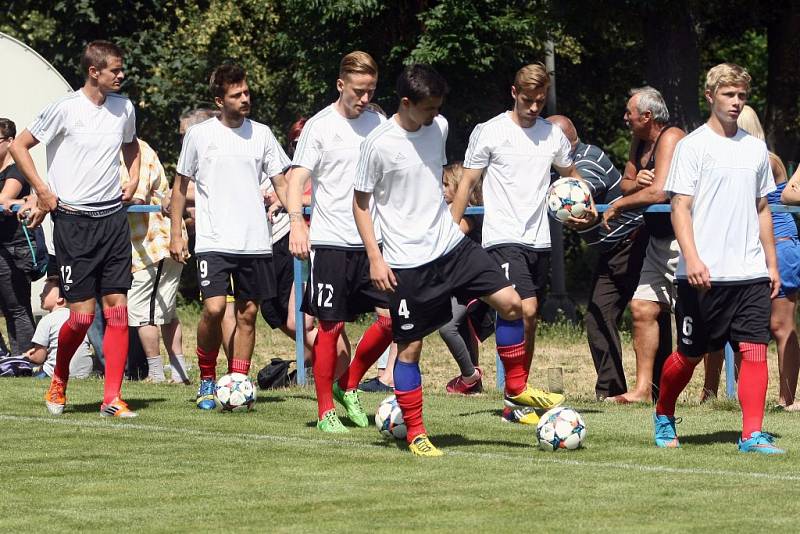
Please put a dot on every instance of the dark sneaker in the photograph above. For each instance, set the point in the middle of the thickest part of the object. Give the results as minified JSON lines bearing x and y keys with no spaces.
{"x":374,"y":385}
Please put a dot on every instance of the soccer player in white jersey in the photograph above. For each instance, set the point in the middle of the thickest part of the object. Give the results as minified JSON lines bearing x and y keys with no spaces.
{"x":84,"y":132}
{"x":227,"y":157}
{"x":514,"y":152}
{"x":426,"y":259}
{"x":727,"y":272}
{"x":340,"y":288}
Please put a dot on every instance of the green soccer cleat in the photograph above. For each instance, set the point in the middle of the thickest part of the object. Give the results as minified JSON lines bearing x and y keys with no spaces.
{"x":331,"y":424}
{"x":352,"y":404}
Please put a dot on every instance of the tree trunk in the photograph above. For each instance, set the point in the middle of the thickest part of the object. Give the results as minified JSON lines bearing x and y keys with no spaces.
{"x":673,"y":61}
{"x":783,"y":108}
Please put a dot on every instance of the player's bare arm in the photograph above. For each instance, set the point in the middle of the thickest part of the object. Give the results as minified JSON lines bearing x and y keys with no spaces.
{"x":791,"y":194}
{"x":132,"y":157}
{"x":299,"y":244}
{"x":42,"y":200}
{"x":697,"y":273}
{"x":381,"y":275}
{"x":630,"y":183}
{"x":653,"y":193}
{"x":177,"y":246}
{"x":767,"y":237}
{"x":469,"y":179}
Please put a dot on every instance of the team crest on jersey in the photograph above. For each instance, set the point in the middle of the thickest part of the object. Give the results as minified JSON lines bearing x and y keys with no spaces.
{"x":399,"y":157}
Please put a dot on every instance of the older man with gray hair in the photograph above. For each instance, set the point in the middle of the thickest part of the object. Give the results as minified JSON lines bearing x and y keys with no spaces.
{"x":653,"y":143}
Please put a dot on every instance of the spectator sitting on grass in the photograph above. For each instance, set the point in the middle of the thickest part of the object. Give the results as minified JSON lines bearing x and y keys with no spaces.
{"x":45,"y":338}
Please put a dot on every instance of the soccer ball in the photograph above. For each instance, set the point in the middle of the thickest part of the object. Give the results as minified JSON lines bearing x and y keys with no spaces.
{"x":234,"y":391}
{"x":389,"y":419}
{"x":568,"y":196}
{"x":560,"y":428}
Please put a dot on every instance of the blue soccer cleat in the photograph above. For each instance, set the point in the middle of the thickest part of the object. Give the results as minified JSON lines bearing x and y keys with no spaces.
{"x":665,"y":435}
{"x":760,"y":442}
{"x":205,"y":395}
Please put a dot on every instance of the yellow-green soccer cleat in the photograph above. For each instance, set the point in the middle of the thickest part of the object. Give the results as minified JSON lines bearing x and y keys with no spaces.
{"x":524,"y":416}
{"x":352,"y":405}
{"x":422,"y":446}
{"x":331,"y":424}
{"x":534,"y":398}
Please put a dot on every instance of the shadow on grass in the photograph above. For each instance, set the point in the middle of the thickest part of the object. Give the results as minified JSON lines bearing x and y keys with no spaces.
{"x":723,"y":436}
{"x":498,"y":412}
{"x":133,"y":404}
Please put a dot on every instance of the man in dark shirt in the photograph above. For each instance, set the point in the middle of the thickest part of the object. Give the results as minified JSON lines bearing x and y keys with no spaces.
{"x":621,"y":249}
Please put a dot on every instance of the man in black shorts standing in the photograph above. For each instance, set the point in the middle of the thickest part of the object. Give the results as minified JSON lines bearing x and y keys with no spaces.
{"x":227,"y":158}
{"x":426,"y":258}
{"x":728,"y":270}
{"x":84,"y":132}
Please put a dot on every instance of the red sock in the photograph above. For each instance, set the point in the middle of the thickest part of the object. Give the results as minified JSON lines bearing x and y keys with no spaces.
{"x":70,"y":337}
{"x":514,"y":360}
{"x":753,"y":379}
{"x":325,"y":364}
{"x":410,"y":403}
{"x":374,"y":341}
{"x":678,"y":370}
{"x":239,"y":366}
{"x":115,"y":350}
{"x":207,"y":361}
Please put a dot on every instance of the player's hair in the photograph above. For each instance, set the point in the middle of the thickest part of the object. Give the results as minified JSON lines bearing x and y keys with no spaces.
{"x":96,"y":55}
{"x":452,"y":176}
{"x":7,"y":128}
{"x":225,"y":75}
{"x":650,"y":99}
{"x":55,"y":281}
{"x":357,"y":62}
{"x":748,"y":121}
{"x":727,"y":74}
{"x":296,"y":129}
{"x":533,"y":76}
{"x":418,"y":82}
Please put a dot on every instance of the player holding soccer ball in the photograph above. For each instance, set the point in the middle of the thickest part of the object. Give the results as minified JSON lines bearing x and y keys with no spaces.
{"x":340,"y":287}
{"x":84,"y":132}
{"x":517,"y":149}
{"x":426,"y":258}
{"x":228,"y":157}
{"x":719,"y":179}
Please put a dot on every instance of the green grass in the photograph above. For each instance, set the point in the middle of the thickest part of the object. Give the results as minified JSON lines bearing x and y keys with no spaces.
{"x":175,"y":468}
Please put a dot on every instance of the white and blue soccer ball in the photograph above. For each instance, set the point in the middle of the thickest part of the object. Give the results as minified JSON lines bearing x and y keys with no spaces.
{"x":389,"y":419}
{"x":235,"y":392}
{"x":568,"y":197}
{"x":560,"y":428}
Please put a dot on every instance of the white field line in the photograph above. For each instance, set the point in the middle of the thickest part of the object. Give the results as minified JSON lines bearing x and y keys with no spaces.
{"x":250,"y":437}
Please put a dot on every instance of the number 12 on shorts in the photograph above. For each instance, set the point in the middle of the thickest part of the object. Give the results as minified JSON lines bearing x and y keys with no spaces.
{"x":402,"y":309}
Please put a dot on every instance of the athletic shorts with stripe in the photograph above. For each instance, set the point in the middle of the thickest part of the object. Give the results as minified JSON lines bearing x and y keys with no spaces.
{"x":275,"y":310}
{"x":526,"y":268}
{"x":152,"y":299}
{"x":339,"y":288}
{"x":93,"y":254}
{"x":421,"y":303}
{"x":252,"y":277}
{"x":706,"y":320}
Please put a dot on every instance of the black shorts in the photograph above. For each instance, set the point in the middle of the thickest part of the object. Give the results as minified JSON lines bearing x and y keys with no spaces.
{"x":275,"y":310}
{"x":706,"y":320}
{"x":252,"y":277}
{"x":526,"y":268}
{"x":339,"y":288}
{"x":421,"y":304}
{"x":93,"y":254}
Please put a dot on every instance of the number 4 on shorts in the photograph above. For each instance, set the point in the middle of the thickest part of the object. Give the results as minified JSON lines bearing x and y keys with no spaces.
{"x":402,"y":310}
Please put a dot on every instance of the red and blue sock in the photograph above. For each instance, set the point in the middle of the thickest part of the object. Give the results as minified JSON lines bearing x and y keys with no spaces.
{"x":510,"y":338}
{"x":408,"y":390}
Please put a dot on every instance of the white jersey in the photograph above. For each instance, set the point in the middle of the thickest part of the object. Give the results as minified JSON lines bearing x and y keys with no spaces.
{"x":46,"y":335}
{"x":329,"y":147}
{"x":403,"y":171}
{"x":83,"y":142}
{"x":725,"y":176}
{"x":517,"y":162}
{"x":229,"y":165}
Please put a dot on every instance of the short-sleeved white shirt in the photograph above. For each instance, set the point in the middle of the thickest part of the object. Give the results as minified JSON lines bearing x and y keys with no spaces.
{"x":403,"y":171}
{"x":82,"y":144}
{"x":46,"y":335}
{"x":229,"y":166}
{"x":279,"y":226}
{"x":725,"y":176}
{"x":517,"y":162}
{"x":328,"y":147}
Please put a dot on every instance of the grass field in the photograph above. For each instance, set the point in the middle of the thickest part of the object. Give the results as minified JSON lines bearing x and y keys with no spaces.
{"x":175,"y":468}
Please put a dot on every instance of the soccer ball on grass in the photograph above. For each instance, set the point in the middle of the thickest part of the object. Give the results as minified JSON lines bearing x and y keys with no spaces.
{"x":560,"y":428}
{"x":568,"y":196}
{"x":389,"y":419}
{"x":235,"y":392}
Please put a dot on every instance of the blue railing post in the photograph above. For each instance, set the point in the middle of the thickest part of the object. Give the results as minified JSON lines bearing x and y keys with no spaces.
{"x":730,"y":372}
{"x":299,"y":323}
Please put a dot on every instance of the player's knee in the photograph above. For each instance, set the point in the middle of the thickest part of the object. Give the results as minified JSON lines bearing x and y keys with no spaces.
{"x":511,"y":310}
{"x":214,"y":311}
{"x":644,"y":310}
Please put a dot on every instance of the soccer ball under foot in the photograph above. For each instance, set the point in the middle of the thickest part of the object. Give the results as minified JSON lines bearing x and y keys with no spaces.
{"x":235,"y":392}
